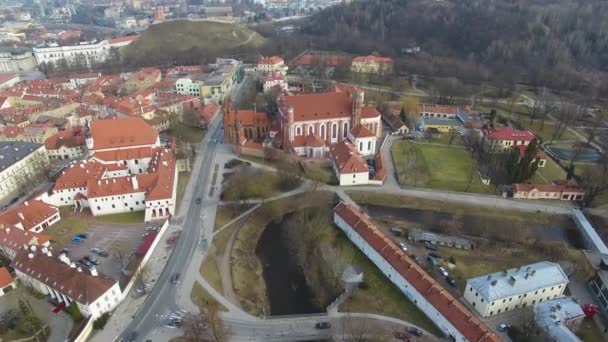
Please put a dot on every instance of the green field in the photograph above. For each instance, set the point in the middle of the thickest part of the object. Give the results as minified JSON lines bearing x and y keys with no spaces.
{"x":177,"y":37}
{"x":550,"y":173}
{"x":437,"y":167}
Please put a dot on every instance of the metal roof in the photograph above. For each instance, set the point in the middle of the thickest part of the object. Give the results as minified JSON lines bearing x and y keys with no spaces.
{"x":590,"y":233}
{"x":13,"y":151}
{"x":552,"y":315}
{"x":519,"y":280}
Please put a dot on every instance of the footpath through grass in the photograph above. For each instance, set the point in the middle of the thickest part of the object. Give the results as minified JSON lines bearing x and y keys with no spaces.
{"x":437,"y":167}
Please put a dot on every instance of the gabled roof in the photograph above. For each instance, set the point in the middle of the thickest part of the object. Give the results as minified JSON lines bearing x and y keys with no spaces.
{"x":346,"y":158}
{"x":372,"y":59}
{"x":5,"y":277}
{"x":71,"y":137}
{"x":361,"y":131}
{"x":509,"y":133}
{"x":461,"y":318}
{"x":79,"y":286}
{"x":558,"y":186}
{"x":15,"y":238}
{"x":271,"y":60}
{"x":117,"y":133}
{"x":28,"y":214}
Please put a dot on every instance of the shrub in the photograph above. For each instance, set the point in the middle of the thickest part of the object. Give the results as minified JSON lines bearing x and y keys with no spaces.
{"x":101,"y":322}
{"x":75,"y":312}
{"x":452,"y":260}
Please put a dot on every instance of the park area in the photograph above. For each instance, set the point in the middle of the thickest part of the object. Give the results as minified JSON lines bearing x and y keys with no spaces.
{"x":437,"y":167}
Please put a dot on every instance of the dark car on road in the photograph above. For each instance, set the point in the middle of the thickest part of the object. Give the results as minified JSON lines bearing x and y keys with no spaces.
{"x":323,"y":325}
{"x":198,"y":200}
{"x":132,"y":337}
{"x":435,"y":255}
{"x":175,"y":278}
{"x":450,"y":281}
{"x":414,"y":331}
{"x":82,"y":236}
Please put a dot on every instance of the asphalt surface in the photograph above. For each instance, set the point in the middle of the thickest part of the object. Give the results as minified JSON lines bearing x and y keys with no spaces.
{"x":163,"y":294}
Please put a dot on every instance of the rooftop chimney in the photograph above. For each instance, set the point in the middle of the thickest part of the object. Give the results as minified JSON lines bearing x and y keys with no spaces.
{"x":94,"y":272}
{"x":26,"y":203}
{"x":20,"y":214}
{"x":31,"y":256}
{"x":135,"y":183}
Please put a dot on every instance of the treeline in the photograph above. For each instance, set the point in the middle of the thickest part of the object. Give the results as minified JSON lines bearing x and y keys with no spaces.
{"x":556,"y":43}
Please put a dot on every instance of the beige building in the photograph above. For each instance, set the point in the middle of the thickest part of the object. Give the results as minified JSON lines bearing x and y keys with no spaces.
{"x":21,"y":163}
{"x":372,"y":65}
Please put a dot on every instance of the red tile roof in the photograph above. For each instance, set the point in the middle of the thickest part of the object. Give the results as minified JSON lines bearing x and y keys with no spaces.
{"x":307,"y":107}
{"x":311,"y":140}
{"x":207,"y":112}
{"x":5,"y":277}
{"x":6,"y":77}
{"x":346,"y":158}
{"x":79,"y":286}
{"x":126,"y":154}
{"x":76,"y":175}
{"x":509,"y":133}
{"x":555,"y":187}
{"x":28,"y":214}
{"x":120,"y":133}
{"x":327,"y":59}
{"x":15,"y":238}
{"x":123,"y":39}
{"x":461,"y":318}
{"x":435,"y":108}
{"x":71,"y":137}
{"x":274,"y":60}
{"x":361,"y":131}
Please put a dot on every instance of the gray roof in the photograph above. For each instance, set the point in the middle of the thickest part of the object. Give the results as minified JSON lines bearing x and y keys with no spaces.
{"x":552,"y":314}
{"x":518,"y":280}
{"x":439,"y":121}
{"x":589,"y":232}
{"x":13,"y":151}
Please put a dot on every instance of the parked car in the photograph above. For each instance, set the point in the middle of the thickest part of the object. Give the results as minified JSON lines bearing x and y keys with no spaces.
{"x":432,"y":260}
{"x":77,"y":239}
{"x":145,"y":234}
{"x":414,"y":331}
{"x":143,"y":289}
{"x":323,"y":325}
{"x":396,"y":231}
{"x":450,"y":281}
{"x":198,"y":200}
{"x":64,"y":251}
{"x":504,"y":327}
{"x":430,"y":246}
{"x":82,"y":236}
{"x":150,"y":229}
{"x":175,"y":278}
{"x":95,"y":250}
{"x":92,"y":260}
{"x":435,"y":255}
{"x":403,"y":246}
{"x":171,"y":240}
{"x":443,"y":271}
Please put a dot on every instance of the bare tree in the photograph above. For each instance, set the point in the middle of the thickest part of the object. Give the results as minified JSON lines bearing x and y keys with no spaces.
{"x":219,"y":331}
{"x":360,"y":329}
{"x":121,"y":251}
{"x":140,"y":276}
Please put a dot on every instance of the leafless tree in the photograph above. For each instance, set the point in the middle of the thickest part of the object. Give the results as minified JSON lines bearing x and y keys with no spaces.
{"x":121,"y":251}
{"x":219,"y":331}
{"x":359,"y":329}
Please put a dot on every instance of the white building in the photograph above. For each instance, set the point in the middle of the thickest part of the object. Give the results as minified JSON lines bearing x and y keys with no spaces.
{"x":443,"y":309}
{"x":15,"y":61}
{"x":67,"y":283}
{"x":78,"y":80}
{"x":21,"y":163}
{"x":515,"y":288}
{"x":32,"y":215}
{"x":66,"y":144}
{"x":349,"y":166}
{"x":274,"y":64}
{"x":188,"y":86}
{"x":275,"y":80}
{"x":87,"y":52}
{"x":559,"y":319}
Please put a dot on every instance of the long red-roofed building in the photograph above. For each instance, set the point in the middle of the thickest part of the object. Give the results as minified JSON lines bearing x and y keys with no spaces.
{"x":503,"y":138}
{"x":449,"y":315}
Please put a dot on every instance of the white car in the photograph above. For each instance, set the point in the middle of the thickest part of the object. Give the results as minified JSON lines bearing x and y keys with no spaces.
{"x":403,"y":246}
{"x":443,"y":271}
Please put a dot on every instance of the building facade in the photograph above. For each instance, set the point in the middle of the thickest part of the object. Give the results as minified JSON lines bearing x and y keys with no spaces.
{"x":273,"y":64}
{"x":372,"y":65}
{"x":501,"y":139}
{"x":15,"y":61}
{"x":559,"y":190}
{"x":515,"y":288}
{"x":559,"y":319}
{"x":21,"y":163}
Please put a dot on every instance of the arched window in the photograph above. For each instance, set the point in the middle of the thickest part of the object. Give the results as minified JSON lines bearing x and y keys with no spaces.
{"x":311,"y":129}
{"x":322,"y":128}
{"x":334,"y":130}
{"x":298,"y":130}
{"x":345,"y":130}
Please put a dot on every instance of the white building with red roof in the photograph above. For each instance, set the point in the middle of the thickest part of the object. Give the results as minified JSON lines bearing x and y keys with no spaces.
{"x":273,"y":64}
{"x":503,"y":138}
{"x":275,"y":80}
{"x":66,"y":144}
{"x":32,"y":215}
{"x":12,"y":239}
{"x":7,"y":283}
{"x":372,"y":64}
{"x":349,"y":166}
{"x":77,"y":80}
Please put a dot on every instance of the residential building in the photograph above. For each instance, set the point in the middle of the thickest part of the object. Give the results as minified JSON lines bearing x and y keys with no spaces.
{"x":86,"y":52}
{"x":189,"y":86}
{"x":500,"y":139}
{"x":121,"y":134}
{"x":559,"y":190}
{"x":8,"y":80}
{"x":559,"y":319}
{"x":349,"y":166}
{"x":144,"y":78}
{"x":7,"y":283}
{"x":394,"y":122}
{"x":274,"y":64}
{"x":441,"y":307}
{"x":21,"y":163}
{"x":34,"y":133}
{"x":599,"y":282}
{"x":438,"y":124}
{"x":330,"y":116}
{"x":206,"y":114}
{"x":276,"y":81}
{"x":64,"y":282}
{"x":226,"y":73}
{"x":443,"y":111}
{"x":469,"y":120}
{"x":31,"y":215}
{"x":119,"y":42}
{"x":78,"y":80}
{"x":14,"y":60}
{"x":372,"y":65}
{"x":66,"y":144}
{"x":12,"y":239}
{"x":515,"y":288}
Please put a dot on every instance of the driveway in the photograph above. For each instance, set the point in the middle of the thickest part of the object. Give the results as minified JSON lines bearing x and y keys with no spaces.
{"x":110,"y":237}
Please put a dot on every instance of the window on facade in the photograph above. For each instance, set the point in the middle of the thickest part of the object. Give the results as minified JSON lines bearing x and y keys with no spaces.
{"x":504,"y":300}
{"x":113,"y":206}
{"x":482,"y":300}
{"x":476,"y":294}
{"x":345,"y":130}
{"x":334,"y":131}
{"x":536,"y":292}
{"x":98,"y":208}
{"x":491,"y":312}
{"x":544,"y":290}
{"x":136,"y":161}
{"x":298,"y":130}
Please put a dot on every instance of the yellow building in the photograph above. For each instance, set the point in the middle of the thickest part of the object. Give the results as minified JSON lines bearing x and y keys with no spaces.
{"x":441,"y":125}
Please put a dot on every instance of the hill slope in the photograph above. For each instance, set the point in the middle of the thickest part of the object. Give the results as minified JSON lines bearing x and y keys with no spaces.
{"x":185,"y":41}
{"x":560,"y":43}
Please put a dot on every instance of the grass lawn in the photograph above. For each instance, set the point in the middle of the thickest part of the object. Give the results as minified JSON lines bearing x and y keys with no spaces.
{"x":227,"y":213}
{"x":211,"y":273}
{"x":182,"y":182}
{"x":202,"y":298}
{"x":590,"y":332}
{"x":310,"y":171}
{"x":436,"y":167}
{"x":445,"y":139}
{"x":71,"y":224}
{"x":221,"y":239}
{"x":187,"y":133}
{"x":551,"y":172}
{"x":379,"y":296}
{"x":124,"y":218}
{"x":250,"y":182}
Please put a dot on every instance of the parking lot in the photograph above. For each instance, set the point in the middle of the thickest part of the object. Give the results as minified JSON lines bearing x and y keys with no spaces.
{"x":120,"y":241}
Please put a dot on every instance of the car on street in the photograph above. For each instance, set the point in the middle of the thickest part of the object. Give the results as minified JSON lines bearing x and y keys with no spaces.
{"x":430,"y":246}
{"x":150,"y":229}
{"x":403,"y":246}
{"x":64,"y":251}
{"x":171,"y":240}
{"x":145,"y":235}
{"x":198,"y":200}
{"x":450,"y":281}
{"x":443,"y":271}
{"x":503,"y":327}
{"x":95,"y":250}
{"x":77,"y":239}
{"x":414,"y":331}
{"x":143,"y":289}
{"x":396,"y":231}
{"x":87,"y":263}
{"x":323,"y":325}
{"x":435,"y":255}
{"x":175,"y":278}
{"x":92,"y":260}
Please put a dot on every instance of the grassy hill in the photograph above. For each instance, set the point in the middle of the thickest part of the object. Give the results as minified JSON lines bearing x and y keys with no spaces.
{"x":185,"y":41}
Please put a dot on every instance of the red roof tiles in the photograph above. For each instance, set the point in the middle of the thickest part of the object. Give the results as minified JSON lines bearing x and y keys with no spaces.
{"x":72,"y":137}
{"x":361,"y":131}
{"x":509,"y":133}
{"x":461,"y":318}
{"x":15,"y":238}
{"x":119,"y":133}
{"x":274,"y":60}
{"x":373,"y":59}
{"x":5,"y":277}
{"x":346,"y":158}
{"x":28,"y":215}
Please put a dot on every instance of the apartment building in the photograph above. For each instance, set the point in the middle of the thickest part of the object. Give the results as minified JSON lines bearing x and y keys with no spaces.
{"x":21,"y":163}
{"x":501,"y":139}
{"x":66,"y":144}
{"x":16,"y":60}
{"x":515,"y":288}
{"x":559,"y":190}
{"x":372,"y":65}
{"x":273,"y":64}
{"x":31,"y":215}
{"x":559,"y":319}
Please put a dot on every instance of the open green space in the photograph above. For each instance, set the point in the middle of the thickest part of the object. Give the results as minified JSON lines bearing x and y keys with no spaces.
{"x":71,"y":224}
{"x":248,"y":182}
{"x":202,"y":298}
{"x":452,"y":139}
{"x":182,"y":182}
{"x":227,"y":213}
{"x":211,"y":273}
{"x":187,"y":133}
{"x":179,"y":37}
{"x":309,"y":170}
{"x":437,"y":167}
{"x":123,"y":218}
{"x":551,"y":172}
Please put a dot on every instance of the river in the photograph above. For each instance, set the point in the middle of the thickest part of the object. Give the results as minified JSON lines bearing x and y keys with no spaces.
{"x":286,"y":288}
